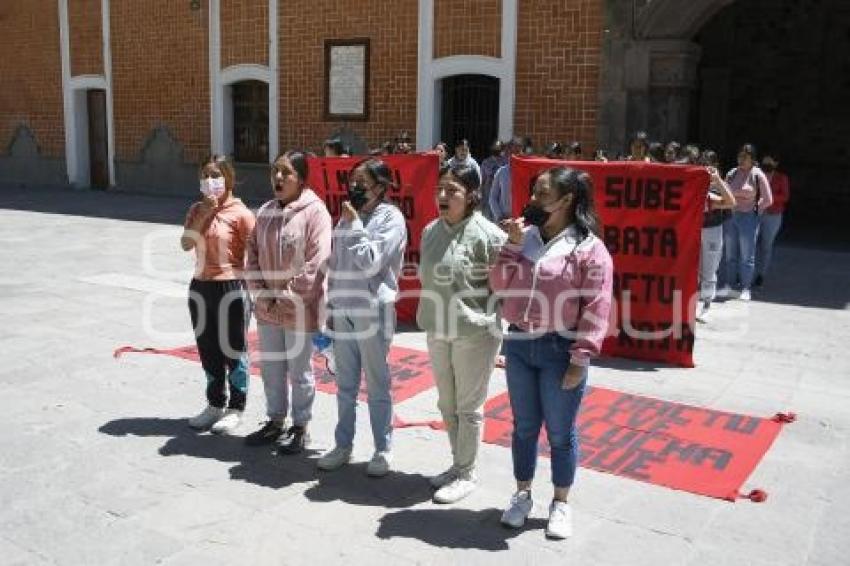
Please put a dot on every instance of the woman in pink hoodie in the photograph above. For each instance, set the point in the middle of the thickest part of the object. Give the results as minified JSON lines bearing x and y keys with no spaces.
{"x":287,"y":263}
{"x":554,"y":279}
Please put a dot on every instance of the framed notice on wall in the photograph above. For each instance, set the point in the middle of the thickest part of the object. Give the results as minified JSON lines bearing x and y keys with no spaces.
{"x":347,"y":79}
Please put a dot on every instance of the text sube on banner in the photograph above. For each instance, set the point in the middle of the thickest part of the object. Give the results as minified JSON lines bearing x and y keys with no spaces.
{"x":651,"y":223}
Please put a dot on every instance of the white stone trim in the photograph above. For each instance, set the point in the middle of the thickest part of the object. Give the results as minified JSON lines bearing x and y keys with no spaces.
{"x":431,"y":71}
{"x":74,"y":104}
{"x":88,"y":82}
{"x":214,"y":49}
{"x":425,"y":128}
{"x":238,"y":73}
{"x":67,"y":93}
{"x":221,"y":119}
{"x":274,"y":82}
{"x":106,"y":31}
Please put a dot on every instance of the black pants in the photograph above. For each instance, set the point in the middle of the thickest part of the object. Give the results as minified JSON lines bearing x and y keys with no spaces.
{"x":220,"y":312}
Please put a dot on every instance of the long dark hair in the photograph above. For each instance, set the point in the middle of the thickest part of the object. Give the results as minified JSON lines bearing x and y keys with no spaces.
{"x":568,"y":181}
{"x":378,"y":171}
{"x":467,"y":177}
{"x":298,"y":160}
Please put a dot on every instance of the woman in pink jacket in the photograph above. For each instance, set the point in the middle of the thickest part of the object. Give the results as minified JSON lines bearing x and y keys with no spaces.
{"x":554,"y":279}
{"x":287,"y":262}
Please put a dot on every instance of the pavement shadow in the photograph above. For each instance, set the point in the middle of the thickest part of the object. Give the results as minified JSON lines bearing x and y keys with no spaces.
{"x":453,"y":528}
{"x":622,"y":364}
{"x":259,"y":466}
{"x":352,"y":485}
{"x":146,"y":426}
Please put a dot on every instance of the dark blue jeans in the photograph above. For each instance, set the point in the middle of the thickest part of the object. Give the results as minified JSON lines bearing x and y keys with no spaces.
{"x":535,"y":368}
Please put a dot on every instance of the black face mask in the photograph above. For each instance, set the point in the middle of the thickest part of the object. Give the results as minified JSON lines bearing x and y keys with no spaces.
{"x":358,"y":195}
{"x":535,"y":215}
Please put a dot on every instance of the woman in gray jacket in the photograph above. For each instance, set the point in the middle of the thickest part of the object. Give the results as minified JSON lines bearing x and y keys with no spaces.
{"x":368,"y":249}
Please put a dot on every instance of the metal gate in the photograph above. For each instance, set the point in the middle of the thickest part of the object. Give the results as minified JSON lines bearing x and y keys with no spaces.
{"x":470,"y":110}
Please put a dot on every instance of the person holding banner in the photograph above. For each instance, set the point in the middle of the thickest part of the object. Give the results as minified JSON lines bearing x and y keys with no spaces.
{"x":639,"y":148}
{"x":752,"y":192}
{"x":463,"y":156}
{"x":771,"y":220}
{"x":463,"y":329}
{"x":287,"y":261}
{"x":718,"y":206}
{"x":218,"y":228}
{"x":555,"y":279}
{"x":368,"y":250}
{"x":489,"y":166}
{"x":500,"y":190}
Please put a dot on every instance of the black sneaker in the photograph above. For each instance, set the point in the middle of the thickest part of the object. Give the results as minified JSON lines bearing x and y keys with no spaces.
{"x":293,"y":441}
{"x":270,"y":432}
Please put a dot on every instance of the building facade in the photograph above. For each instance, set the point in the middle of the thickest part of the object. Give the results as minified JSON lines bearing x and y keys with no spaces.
{"x":132,"y":93}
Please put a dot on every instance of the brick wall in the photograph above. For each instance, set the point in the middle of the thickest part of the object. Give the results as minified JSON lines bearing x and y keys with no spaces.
{"x":467,"y":27}
{"x":559,"y":51}
{"x":160,"y":74}
{"x":85,"y":37}
{"x":31,"y":92}
{"x":393,"y":29}
{"x":244,"y":32}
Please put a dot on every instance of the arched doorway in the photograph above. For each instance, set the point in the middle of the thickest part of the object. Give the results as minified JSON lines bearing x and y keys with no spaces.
{"x":776,"y":73}
{"x":470,"y":110}
{"x":250,"y":112}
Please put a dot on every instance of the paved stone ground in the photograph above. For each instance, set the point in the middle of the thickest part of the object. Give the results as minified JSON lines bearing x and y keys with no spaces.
{"x":97,"y":465}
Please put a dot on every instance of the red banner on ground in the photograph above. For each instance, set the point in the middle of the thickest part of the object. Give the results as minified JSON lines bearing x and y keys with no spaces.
{"x":416,"y":178}
{"x":679,"y":446}
{"x":651,"y":223}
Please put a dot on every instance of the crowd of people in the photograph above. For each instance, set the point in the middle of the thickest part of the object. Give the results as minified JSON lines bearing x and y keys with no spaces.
{"x":299,"y":275}
{"x":536,"y":287}
{"x":743,"y":210}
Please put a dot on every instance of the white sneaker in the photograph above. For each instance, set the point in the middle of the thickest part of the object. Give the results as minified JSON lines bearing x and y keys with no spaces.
{"x":560,"y":524}
{"x":334,"y":459}
{"x":725,"y":292}
{"x":702,"y":312}
{"x":443,"y":479}
{"x":206,"y":418}
{"x":746,"y":295}
{"x":521,"y":505}
{"x":380,"y":464}
{"x":456,"y":490}
{"x":228,"y":423}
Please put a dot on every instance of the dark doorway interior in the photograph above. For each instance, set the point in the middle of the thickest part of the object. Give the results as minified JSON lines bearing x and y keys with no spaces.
{"x":251,"y":122}
{"x":776,"y":73}
{"x":470,"y":110}
{"x":98,"y":139}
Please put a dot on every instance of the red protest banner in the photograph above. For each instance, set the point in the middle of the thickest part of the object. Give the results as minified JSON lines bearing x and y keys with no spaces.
{"x":416,"y":178}
{"x":652,"y":219}
{"x":680,"y":446}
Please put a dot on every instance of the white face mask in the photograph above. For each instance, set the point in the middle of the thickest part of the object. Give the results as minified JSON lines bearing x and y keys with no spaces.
{"x":213,"y":187}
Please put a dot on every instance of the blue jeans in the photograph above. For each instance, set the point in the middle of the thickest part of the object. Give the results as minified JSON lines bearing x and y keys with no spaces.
{"x":768,"y":230}
{"x":361,"y":343}
{"x":739,"y":249}
{"x":535,"y":370}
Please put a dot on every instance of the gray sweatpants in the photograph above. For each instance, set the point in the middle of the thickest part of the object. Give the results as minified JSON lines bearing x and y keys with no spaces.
{"x":462,"y":369}
{"x":711,"y":251}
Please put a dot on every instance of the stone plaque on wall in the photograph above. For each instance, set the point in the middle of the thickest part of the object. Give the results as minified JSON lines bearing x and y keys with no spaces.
{"x":347,"y":79}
